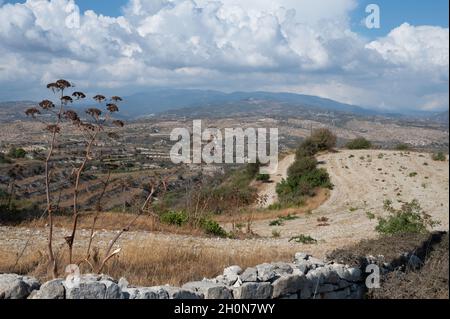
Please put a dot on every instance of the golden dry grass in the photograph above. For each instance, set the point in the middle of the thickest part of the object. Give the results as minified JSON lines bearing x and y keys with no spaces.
{"x":154,"y":262}
{"x":113,"y":221}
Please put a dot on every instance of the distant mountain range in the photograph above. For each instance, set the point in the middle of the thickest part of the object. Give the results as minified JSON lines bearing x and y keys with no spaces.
{"x":162,"y":100}
{"x":186,"y":101}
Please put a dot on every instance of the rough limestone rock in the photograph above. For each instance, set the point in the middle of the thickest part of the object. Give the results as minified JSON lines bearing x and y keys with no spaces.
{"x":210,"y":290}
{"x":300,"y":257}
{"x":253,"y":290}
{"x":348,"y":274}
{"x":266,"y":272}
{"x":131,"y":293}
{"x":113,"y":290}
{"x":86,"y":290}
{"x":249,"y":275}
{"x":286,"y":285}
{"x":152,"y":293}
{"x":230,"y":275}
{"x":14,"y":286}
{"x":53,"y":289}
{"x":180,"y":293}
{"x":283,"y":269}
{"x":303,"y":266}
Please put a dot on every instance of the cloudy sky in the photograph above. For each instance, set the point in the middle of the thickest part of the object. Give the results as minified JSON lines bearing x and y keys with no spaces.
{"x":303,"y":46}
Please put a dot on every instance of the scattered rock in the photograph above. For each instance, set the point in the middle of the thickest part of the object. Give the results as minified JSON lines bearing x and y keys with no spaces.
{"x":249,"y":275}
{"x":266,"y":272}
{"x":210,"y":290}
{"x":53,"y":289}
{"x":253,"y":290}
{"x":286,"y":285}
{"x":14,"y":286}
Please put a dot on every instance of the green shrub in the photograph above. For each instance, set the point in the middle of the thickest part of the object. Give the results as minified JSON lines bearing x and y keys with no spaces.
{"x":324,"y":139}
{"x":316,"y":178}
{"x":4,"y":159}
{"x":211,"y":227}
{"x":302,"y":166}
{"x":17,"y":152}
{"x":276,"y":222}
{"x":253,"y":169}
{"x":263,"y":177}
{"x":439,"y":156}
{"x":412,"y":174}
{"x":402,"y":147}
{"x":359,"y":143}
{"x":370,"y":215}
{"x":174,"y":218}
{"x":410,"y":218}
{"x":303,"y":239}
{"x":307,"y":148}
{"x":276,"y":233}
{"x":281,"y":219}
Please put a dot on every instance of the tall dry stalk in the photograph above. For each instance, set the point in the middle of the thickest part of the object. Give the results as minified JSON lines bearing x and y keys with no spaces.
{"x":54,"y":128}
{"x":90,"y":128}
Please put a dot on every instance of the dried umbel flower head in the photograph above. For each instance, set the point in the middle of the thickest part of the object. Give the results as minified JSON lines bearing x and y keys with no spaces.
{"x":118,"y":123}
{"x":111,"y":107}
{"x":66,"y":100}
{"x":63,"y":84}
{"x":52,"y":86}
{"x":59,"y":85}
{"x":71,"y":115}
{"x":46,"y":104}
{"x":94,"y":112}
{"x":99,"y":98}
{"x":79,"y":95}
{"x":53,"y":128}
{"x":116,"y":98}
{"x":32,"y":112}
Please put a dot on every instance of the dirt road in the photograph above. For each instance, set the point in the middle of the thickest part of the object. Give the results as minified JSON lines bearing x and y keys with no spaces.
{"x":268,"y":190}
{"x":363,"y":180}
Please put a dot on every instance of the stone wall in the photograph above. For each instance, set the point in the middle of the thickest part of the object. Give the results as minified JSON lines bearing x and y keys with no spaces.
{"x":305,"y":278}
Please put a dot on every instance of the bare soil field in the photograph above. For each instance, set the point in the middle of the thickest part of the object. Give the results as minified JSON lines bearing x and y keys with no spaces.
{"x":363,"y":180}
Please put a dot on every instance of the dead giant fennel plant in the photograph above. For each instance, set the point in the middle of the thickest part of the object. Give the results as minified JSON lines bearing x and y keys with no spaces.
{"x":97,"y":121}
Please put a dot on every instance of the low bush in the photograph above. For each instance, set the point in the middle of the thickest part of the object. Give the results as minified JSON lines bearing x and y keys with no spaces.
{"x":4,"y":159}
{"x":359,"y":143}
{"x":17,"y":152}
{"x":303,"y":239}
{"x":276,"y":233}
{"x":439,"y":156}
{"x":410,"y":218}
{"x":324,"y":139}
{"x":281,"y":219}
{"x":211,"y":227}
{"x":174,"y":218}
{"x":307,"y":148}
{"x":263,"y":177}
{"x":402,"y":147}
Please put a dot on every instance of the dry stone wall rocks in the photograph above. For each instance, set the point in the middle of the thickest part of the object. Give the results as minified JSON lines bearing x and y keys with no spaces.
{"x":305,"y":278}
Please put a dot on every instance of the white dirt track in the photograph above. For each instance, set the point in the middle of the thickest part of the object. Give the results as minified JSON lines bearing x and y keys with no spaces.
{"x":363,"y":180}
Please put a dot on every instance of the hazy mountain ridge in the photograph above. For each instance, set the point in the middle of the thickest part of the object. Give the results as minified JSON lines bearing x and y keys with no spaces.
{"x":191,"y":102}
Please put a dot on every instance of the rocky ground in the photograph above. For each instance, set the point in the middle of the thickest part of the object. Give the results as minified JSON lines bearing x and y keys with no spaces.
{"x":363,"y":180}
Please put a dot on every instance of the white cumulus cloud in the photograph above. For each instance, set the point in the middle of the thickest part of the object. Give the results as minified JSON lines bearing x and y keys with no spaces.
{"x":304,"y":46}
